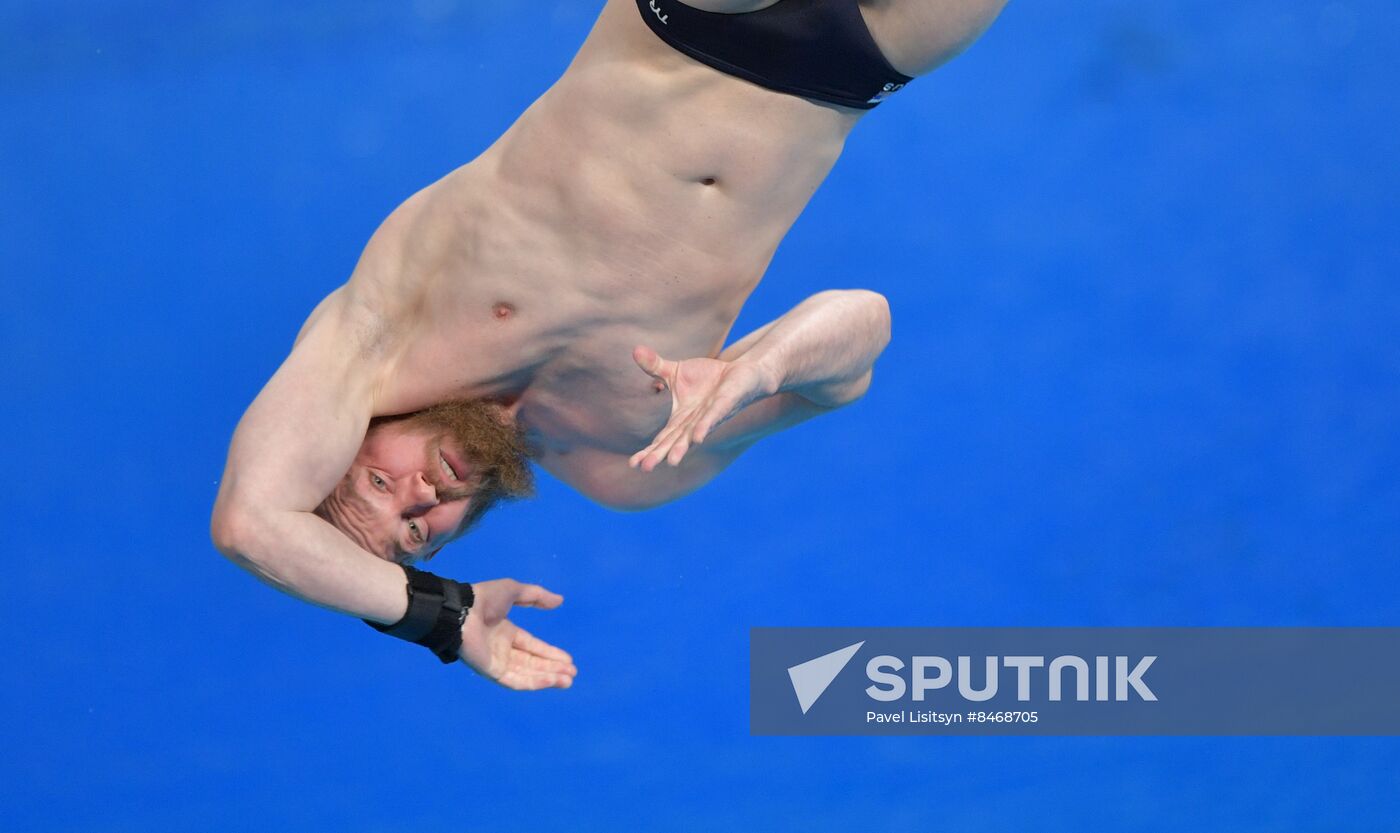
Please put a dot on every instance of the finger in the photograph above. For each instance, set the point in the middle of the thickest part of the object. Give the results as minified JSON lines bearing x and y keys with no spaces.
{"x":662,"y":445}
{"x":533,"y":595}
{"x":532,"y":644}
{"x":716,"y":414}
{"x":657,"y":451}
{"x":640,"y":457}
{"x":652,"y":363}
{"x":691,"y":431}
{"x":677,"y":453}
{"x":678,"y":431}
{"x":542,"y":681}
{"x":526,"y":671}
{"x":544,"y":665}
{"x":524,"y":681}
{"x":666,"y":431}
{"x":636,"y":460}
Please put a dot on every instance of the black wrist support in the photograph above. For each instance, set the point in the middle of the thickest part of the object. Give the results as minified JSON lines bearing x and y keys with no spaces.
{"x":437,"y":608}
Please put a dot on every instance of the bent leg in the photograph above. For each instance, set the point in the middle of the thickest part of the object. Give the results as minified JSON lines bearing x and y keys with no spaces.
{"x":918,"y":36}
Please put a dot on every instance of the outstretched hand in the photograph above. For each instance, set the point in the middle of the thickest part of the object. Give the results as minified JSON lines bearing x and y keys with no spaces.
{"x":498,"y":649}
{"x":704,"y":393}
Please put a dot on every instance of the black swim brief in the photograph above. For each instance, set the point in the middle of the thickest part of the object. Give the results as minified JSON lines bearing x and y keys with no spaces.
{"x":818,"y":49}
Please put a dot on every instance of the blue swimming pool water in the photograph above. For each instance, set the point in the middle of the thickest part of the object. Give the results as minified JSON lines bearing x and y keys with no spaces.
{"x":1143,"y":268}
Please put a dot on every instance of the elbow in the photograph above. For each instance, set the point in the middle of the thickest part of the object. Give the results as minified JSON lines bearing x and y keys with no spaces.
{"x":242,"y":534}
{"x":223,"y":531}
{"x":228,"y":529}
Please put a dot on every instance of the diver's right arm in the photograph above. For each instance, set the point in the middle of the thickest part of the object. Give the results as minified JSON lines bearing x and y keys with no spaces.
{"x":292,"y":446}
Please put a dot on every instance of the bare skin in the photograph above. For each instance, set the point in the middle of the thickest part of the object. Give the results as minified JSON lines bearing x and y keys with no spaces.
{"x":405,"y":495}
{"x":585,"y":270}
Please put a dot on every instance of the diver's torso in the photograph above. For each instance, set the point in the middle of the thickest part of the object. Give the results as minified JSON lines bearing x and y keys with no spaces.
{"x":638,"y":201}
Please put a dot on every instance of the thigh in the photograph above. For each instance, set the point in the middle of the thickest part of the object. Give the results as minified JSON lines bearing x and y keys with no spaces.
{"x":917,"y":36}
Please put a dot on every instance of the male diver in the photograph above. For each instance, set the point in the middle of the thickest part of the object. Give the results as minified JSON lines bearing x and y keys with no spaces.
{"x":578,"y":279}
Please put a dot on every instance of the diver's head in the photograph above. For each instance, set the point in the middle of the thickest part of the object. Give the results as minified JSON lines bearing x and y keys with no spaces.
{"x":421,"y":480}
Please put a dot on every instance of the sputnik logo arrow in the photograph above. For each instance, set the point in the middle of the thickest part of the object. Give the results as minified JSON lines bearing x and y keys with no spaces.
{"x":811,"y":678}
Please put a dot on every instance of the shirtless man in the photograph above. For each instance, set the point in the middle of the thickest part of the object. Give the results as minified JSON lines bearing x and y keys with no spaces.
{"x":621,"y":222}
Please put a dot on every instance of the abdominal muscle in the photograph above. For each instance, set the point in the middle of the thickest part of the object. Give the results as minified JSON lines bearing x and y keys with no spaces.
{"x":638,"y":201}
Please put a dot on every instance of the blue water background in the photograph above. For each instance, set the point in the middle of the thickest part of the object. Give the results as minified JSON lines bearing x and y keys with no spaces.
{"x":1145,"y":281}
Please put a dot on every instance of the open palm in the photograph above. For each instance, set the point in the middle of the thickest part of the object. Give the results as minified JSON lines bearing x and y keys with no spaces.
{"x":704,"y":393}
{"x":498,"y":649}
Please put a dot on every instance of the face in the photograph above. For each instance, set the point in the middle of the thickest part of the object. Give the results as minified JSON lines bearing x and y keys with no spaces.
{"x":405,"y":495}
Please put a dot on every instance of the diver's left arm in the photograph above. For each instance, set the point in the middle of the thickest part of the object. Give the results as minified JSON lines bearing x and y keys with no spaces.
{"x":817,"y":357}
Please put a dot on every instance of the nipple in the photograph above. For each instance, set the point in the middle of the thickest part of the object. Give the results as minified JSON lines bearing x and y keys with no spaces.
{"x":502,"y":311}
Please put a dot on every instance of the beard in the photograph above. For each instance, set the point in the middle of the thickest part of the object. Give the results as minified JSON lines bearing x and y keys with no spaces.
{"x":493,"y":445}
